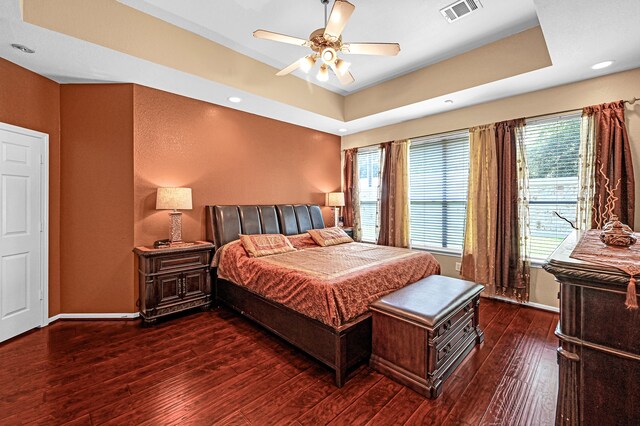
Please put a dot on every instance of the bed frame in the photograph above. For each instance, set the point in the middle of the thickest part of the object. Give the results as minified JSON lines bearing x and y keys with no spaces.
{"x":339,"y":348}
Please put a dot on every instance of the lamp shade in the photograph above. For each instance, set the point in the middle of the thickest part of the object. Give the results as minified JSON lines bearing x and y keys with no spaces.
{"x":174,"y":198}
{"x":335,"y":199}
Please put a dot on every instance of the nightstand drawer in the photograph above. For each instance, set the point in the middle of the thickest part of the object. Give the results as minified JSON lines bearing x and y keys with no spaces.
{"x":170,"y":263}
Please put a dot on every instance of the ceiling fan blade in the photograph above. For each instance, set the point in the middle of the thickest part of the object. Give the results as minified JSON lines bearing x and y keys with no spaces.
{"x":340,"y":14}
{"x":269,"y":35}
{"x":288,"y":70}
{"x":345,"y":78}
{"x":384,"y":49}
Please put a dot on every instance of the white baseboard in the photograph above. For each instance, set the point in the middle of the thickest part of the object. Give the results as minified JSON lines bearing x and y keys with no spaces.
{"x":102,"y":316}
{"x":529,"y":304}
{"x":543,"y":307}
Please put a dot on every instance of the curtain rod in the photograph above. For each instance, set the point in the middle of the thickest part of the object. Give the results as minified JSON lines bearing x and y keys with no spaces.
{"x":629,"y":101}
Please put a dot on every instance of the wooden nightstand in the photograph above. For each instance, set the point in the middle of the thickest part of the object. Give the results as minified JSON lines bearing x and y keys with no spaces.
{"x":173,"y":279}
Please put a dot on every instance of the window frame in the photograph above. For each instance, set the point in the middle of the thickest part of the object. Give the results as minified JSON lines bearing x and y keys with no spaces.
{"x":550,"y":118}
{"x":435,"y":139}
{"x":367,"y":150}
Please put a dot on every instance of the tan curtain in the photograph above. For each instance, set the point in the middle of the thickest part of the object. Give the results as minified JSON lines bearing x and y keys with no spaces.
{"x":394,"y":200}
{"x":523,"y":275}
{"x":349,"y":181}
{"x":496,"y":242}
{"x":512,"y":254}
{"x":478,"y":254}
{"x":586,"y":172}
{"x":355,"y":198}
{"x":613,"y":158}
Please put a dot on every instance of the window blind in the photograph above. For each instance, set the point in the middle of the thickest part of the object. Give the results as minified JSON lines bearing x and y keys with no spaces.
{"x":438,"y":182}
{"x":551,"y":148}
{"x":368,"y":185}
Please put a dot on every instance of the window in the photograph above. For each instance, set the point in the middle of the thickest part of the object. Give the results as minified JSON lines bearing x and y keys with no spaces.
{"x":552,"y":148}
{"x":438,"y":181}
{"x":368,"y":185}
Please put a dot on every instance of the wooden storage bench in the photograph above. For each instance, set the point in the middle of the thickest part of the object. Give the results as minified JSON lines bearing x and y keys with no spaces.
{"x":422,"y":332}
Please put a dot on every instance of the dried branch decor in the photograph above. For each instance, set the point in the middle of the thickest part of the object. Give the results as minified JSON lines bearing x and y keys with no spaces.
{"x":618,"y":239}
{"x":602,"y":214}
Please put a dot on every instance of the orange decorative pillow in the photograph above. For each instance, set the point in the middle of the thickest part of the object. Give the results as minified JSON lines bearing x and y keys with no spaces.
{"x":265,"y":244}
{"x":330,"y":236}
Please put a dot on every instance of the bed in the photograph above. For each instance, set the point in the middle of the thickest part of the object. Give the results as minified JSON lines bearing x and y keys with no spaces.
{"x":316,"y":298}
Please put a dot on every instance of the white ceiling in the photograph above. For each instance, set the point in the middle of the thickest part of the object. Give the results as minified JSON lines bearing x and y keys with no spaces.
{"x":578,"y":33}
{"x":424,"y":35}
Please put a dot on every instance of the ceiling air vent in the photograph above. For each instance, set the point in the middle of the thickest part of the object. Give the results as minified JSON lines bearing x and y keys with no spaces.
{"x":460,"y":9}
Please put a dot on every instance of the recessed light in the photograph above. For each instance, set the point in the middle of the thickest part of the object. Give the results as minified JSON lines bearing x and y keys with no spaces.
{"x":22,"y":48}
{"x":601,"y":65}
{"x":448,"y":101}
{"x":343,"y":130}
{"x":234,"y":99}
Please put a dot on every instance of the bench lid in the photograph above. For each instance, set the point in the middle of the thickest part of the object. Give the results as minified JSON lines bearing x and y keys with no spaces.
{"x":429,"y":300}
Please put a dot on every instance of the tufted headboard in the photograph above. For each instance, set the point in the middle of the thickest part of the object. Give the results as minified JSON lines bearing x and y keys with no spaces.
{"x":225,"y":223}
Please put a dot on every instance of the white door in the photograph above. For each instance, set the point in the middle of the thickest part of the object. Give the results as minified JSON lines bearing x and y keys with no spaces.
{"x":20,"y":230}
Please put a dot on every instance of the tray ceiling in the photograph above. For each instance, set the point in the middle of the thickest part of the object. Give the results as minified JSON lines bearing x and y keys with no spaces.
{"x":179,"y":46}
{"x":424,"y":35}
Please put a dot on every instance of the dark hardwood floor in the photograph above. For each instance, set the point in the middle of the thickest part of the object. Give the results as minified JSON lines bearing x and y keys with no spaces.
{"x":216,"y":367}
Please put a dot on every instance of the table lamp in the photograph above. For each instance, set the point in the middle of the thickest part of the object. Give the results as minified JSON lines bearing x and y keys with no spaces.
{"x":335,"y":200}
{"x":174,"y":199}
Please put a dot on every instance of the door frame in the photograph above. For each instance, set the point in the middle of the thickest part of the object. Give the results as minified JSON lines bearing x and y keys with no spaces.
{"x":44,"y":216}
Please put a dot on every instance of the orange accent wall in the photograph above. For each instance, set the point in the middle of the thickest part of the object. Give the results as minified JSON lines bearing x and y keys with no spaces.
{"x":226,"y":156}
{"x":122,"y":142}
{"x":112,"y":145}
{"x":31,"y":101}
{"x":97,"y":198}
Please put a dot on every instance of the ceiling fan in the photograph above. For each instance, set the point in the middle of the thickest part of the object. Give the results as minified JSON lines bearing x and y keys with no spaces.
{"x":326,"y":43}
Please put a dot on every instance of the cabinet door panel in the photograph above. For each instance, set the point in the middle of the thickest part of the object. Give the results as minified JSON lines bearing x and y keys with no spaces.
{"x":194,"y":283}
{"x":167,"y":288}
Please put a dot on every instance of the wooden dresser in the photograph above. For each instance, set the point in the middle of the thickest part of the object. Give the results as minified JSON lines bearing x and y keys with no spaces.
{"x":599,"y":353}
{"x":173,"y":279}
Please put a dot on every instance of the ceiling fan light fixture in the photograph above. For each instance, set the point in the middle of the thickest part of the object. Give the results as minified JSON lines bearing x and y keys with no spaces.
{"x":329,"y":55}
{"x":326,"y":43}
{"x":307,"y":63}
{"x":342,"y":66}
{"x":323,"y":73}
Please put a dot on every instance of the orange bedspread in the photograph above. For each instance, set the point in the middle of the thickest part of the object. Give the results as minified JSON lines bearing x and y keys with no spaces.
{"x":331,"y":284}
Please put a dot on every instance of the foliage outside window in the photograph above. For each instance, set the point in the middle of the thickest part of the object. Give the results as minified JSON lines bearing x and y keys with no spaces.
{"x":552,"y":148}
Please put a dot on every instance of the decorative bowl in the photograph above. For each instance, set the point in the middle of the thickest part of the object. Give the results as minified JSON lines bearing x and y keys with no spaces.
{"x":616,"y":233}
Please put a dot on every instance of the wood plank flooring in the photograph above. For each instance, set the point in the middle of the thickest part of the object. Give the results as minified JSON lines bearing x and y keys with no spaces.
{"x":218,"y":368}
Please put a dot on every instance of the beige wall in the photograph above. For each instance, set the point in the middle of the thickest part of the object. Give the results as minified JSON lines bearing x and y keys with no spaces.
{"x":623,"y":85}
